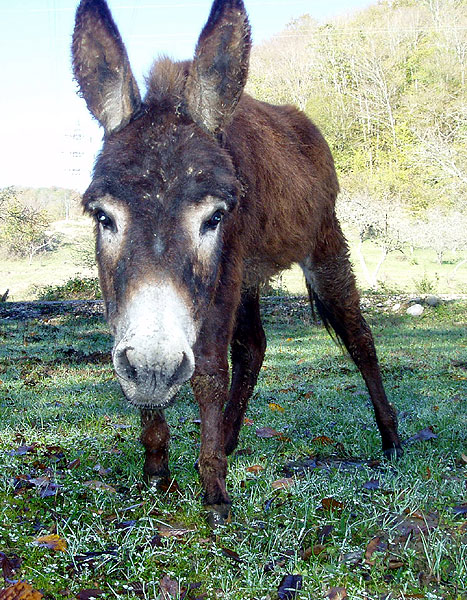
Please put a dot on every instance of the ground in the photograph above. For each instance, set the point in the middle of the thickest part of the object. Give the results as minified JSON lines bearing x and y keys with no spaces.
{"x":316,"y":509}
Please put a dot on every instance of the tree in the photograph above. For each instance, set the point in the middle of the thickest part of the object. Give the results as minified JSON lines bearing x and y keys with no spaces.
{"x":24,"y":229}
{"x":386,"y":223}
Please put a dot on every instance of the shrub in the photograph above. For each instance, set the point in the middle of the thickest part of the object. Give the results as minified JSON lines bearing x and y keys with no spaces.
{"x":77,"y":288}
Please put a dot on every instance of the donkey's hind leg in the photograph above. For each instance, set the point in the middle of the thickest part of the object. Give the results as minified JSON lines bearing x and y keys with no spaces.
{"x":331,"y":286}
{"x":247,"y":351}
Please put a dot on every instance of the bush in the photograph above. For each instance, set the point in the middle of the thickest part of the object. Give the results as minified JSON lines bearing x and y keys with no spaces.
{"x":78,"y":288}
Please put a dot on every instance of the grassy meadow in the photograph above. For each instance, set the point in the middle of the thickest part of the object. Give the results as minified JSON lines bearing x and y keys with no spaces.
{"x":317,"y":512}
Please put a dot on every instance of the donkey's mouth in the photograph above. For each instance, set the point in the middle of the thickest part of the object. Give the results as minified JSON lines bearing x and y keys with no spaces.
{"x":145,"y":391}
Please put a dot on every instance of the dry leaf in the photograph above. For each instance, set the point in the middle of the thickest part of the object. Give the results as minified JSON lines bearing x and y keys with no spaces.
{"x":337,"y":593}
{"x":231,"y":554}
{"x":169,"y":588}
{"x":284,"y":483}
{"x":52,"y":542}
{"x":289,"y":586}
{"x":315,"y":550}
{"x":371,"y":549}
{"x":100,"y":485}
{"x":175,"y":530}
{"x":89,"y":594}
{"x":323,"y":440}
{"x":276,"y":407}
{"x":331,"y":504}
{"x":20,"y":591}
{"x":267,"y":433}
{"x":254,"y":469}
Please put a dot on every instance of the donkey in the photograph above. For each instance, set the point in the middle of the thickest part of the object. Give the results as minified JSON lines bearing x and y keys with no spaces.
{"x":200,"y":194}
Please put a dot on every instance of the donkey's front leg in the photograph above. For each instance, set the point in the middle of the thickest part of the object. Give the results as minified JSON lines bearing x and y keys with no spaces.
{"x":155,"y":437}
{"x":210,"y":391}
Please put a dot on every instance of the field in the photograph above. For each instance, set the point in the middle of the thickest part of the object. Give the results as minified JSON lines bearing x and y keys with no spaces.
{"x":316,"y":509}
{"x":416,"y":272}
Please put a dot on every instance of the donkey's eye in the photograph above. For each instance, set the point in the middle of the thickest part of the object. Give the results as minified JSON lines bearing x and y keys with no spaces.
{"x":213,"y":221}
{"x":103,"y":219}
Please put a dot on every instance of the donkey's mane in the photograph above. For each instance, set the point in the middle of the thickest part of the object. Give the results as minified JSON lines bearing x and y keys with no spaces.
{"x":166,"y":82}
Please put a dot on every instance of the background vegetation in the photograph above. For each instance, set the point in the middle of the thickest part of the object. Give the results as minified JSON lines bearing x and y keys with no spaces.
{"x":387,"y":88}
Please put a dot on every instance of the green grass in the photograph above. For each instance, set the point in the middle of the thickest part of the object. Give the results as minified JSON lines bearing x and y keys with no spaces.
{"x":58,"y":397}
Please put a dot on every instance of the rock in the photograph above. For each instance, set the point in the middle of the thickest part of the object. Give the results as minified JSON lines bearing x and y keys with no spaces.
{"x":396,"y":307}
{"x":433,"y":301}
{"x":415,"y":310}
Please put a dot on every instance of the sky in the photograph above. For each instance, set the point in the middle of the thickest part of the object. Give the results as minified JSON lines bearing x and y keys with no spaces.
{"x":40,"y":110}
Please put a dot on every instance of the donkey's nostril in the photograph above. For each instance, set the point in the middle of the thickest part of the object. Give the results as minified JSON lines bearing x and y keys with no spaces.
{"x":184,"y":371}
{"x":123,"y":366}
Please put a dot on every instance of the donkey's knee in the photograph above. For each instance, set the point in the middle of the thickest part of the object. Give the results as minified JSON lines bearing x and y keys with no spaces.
{"x":155,"y":438}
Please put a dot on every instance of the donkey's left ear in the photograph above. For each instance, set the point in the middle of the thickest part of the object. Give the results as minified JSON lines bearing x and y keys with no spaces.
{"x":219,"y":70}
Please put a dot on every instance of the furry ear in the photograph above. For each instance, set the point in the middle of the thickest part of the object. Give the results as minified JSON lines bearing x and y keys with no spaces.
{"x":219,"y":70}
{"x":101,"y":67}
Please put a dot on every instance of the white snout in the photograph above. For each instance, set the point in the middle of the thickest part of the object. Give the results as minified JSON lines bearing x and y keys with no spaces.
{"x":153,"y":353}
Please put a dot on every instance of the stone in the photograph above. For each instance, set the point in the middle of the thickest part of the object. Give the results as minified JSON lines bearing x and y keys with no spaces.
{"x":415,"y":310}
{"x":433,"y":301}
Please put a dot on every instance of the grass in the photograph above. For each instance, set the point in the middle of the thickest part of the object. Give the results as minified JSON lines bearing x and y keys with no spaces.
{"x":70,"y":464}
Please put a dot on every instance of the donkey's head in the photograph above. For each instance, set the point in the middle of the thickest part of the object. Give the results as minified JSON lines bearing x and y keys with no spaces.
{"x":163,"y":190}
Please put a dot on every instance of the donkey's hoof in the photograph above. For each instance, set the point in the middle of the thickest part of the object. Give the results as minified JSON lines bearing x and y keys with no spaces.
{"x":393,"y":453}
{"x":161,"y":483}
{"x":218,"y":515}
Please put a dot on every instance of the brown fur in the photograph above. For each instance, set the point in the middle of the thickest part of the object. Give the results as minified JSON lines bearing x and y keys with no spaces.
{"x":196,"y":136}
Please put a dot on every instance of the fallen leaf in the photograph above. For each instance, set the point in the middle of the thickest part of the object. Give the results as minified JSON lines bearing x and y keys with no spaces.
{"x":280,"y":562}
{"x":337,"y":593}
{"x":231,"y":554}
{"x":395,"y":563}
{"x":324,"y":533}
{"x":255,"y":469}
{"x":331,"y":504}
{"x":267,"y":432}
{"x":9,"y":565}
{"x":422,"y":436}
{"x":289,"y":586}
{"x":89,"y":594}
{"x":74,"y":463}
{"x":372,"y":547}
{"x":100,"y":485}
{"x":88,"y":559}
{"x":460,"y":509}
{"x":372,"y":484}
{"x":22,"y":450}
{"x":276,"y":407}
{"x":315,"y":550}
{"x":176,"y":530}
{"x":20,"y":591}
{"x":323,"y":440}
{"x":52,"y":542}
{"x":247,"y":421}
{"x":284,"y":483}
{"x":45,"y":486}
{"x":169,"y":588}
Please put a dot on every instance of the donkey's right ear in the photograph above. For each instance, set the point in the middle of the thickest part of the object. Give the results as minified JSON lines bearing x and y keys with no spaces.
{"x":101,"y":67}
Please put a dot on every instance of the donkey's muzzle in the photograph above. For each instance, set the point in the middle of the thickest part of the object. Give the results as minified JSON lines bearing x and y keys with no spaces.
{"x":149,"y":373}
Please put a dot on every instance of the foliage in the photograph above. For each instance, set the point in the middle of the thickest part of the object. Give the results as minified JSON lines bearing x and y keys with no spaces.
{"x":77,"y":288}
{"x":24,"y":229}
{"x":314,"y":505}
{"x":386,"y":87}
